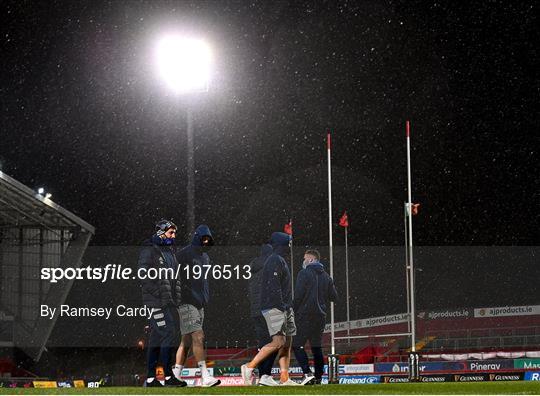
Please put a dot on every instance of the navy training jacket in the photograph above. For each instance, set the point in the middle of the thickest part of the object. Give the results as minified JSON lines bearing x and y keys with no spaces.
{"x":257,"y":265}
{"x":194,"y":291}
{"x":313,"y":291}
{"x":276,"y":278}
{"x":159,"y":293}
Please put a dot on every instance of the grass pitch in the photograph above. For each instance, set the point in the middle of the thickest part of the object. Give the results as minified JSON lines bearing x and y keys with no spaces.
{"x":514,"y":388}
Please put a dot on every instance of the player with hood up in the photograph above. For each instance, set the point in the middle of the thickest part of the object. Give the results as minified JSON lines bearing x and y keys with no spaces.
{"x":261,"y":329}
{"x":276,"y":308}
{"x":195,"y":296}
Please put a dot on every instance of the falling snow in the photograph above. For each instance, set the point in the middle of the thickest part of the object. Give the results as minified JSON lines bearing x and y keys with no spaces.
{"x":84,"y":114}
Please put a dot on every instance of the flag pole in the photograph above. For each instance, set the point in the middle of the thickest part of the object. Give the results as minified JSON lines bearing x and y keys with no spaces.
{"x":330,"y":243}
{"x":405,"y":218}
{"x":410,"y":234}
{"x":347,"y":283}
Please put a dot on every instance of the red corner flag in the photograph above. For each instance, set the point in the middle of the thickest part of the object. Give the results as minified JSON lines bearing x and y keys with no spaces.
{"x":415,"y":209}
{"x":288,"y":228}
{"x":344,"y":220}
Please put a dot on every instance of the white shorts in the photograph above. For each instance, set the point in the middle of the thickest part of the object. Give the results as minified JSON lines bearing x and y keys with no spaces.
{"x":280,"y":322}
{"x":191,"y":319}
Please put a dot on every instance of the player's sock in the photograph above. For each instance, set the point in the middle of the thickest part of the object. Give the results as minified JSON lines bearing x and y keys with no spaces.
{"x":202,"y":367}
{"x":284,"y":376}
{"x":177,"y":370}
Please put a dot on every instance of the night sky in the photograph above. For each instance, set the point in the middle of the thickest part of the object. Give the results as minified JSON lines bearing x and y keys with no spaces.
{"x":85,"y":115}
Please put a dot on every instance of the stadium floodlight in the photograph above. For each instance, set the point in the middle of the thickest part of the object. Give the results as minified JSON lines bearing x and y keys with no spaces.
{"x":41,"y":191}
{"x":184,"y":63}
{"x":48,"y":196}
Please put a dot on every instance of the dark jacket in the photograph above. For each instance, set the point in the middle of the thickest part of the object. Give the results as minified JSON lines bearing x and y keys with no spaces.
{"x":159,"y":293}
{"x":313,"y":292}
{"x":194,"y":291}
{"x":276,"y":277}
{"x":257,"y":265}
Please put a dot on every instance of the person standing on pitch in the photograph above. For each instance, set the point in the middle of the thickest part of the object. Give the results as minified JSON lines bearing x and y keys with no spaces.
{"x":312,"y":295}
{"x":276,"y":308}
{"x":261,"y":330}
{"x":163,"y":296}
{"x":193,"y":259}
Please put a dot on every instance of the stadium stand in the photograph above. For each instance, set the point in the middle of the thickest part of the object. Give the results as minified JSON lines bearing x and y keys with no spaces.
{"x":34,"y":233}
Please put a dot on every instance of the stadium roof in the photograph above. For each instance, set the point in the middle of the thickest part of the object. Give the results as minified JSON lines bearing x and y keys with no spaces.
{"x":22,"y":206}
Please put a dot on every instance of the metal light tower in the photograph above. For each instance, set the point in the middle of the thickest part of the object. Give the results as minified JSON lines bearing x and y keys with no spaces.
{"x":184,"y":65}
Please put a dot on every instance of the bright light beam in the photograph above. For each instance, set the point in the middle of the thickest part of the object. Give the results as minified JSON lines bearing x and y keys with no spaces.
{"x":184,"y":64}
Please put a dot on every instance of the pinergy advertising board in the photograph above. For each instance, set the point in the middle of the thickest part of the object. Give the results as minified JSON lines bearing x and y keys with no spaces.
{"x":428,"y":367}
